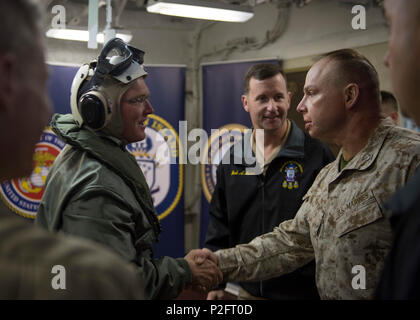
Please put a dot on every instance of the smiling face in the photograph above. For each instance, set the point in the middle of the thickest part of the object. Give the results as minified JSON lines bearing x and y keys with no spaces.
{"x":267,"y":103}
{"x":135,"y":107}
{"x":403,"y":53}
{"x":322,"y":105}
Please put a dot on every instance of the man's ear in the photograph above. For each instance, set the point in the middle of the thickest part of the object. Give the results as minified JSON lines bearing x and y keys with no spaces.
{"x":7,"y":78}
{"x":245,"y":102}
{"x":351,"y":95}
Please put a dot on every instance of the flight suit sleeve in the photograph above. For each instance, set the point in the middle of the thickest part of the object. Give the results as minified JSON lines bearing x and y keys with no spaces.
{"x":104,"y":217}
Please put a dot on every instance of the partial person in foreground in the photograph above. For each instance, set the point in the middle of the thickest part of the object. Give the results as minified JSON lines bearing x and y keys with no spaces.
{"x":389,"y":106}
{"x":341,"y":221}
{"x":401,"y":275}
{"x":30,"y":258}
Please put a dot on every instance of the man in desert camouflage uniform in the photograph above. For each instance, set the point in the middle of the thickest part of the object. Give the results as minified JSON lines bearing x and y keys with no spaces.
{"x":341,"y":221}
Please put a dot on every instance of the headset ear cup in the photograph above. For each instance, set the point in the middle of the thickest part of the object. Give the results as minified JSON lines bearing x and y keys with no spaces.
{"x":92,"y":111}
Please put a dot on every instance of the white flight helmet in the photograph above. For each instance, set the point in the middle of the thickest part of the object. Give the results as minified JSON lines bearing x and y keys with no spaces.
{"x":97,"y":88}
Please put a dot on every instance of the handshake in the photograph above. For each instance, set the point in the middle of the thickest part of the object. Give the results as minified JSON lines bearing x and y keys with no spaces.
{"x":205,"y":272}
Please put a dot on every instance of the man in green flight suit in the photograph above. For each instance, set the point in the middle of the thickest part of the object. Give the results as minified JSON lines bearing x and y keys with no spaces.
{"x":95,"y":188}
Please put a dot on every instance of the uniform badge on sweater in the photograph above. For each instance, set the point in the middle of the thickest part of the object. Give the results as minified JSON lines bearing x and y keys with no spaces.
{"x":291,"y":171}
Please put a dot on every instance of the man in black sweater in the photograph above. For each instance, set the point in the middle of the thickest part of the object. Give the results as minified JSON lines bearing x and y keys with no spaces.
{"x":244,"y":206}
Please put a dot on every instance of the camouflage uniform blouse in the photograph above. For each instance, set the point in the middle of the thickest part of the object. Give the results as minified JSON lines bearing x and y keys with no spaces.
{"x":341,"y":222}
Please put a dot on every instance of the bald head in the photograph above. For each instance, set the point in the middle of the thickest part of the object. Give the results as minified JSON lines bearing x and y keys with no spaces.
{"x":340,"y":95}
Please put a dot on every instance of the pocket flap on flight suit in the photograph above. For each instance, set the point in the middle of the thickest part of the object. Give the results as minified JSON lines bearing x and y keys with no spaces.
{"x":359,"y":214}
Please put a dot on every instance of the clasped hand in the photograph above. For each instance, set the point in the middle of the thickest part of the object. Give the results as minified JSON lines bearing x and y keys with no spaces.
{"x":205,"y":272}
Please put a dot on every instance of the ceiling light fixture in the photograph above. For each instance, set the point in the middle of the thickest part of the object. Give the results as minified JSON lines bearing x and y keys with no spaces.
{"x":82,"y":35}
{"x":199,"y":9}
